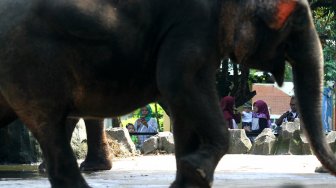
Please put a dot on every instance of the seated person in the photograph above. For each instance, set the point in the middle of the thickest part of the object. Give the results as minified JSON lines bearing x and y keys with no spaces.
{"x":145,"y":124}
{"x":260,"y":117}
{"x":290,"y":115}
{"x":131,"y":129}
{"x":246,"y":117}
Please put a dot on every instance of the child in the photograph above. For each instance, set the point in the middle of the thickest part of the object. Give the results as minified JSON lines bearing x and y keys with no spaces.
{"x":247,"y":117}
{"x":131,"y":129}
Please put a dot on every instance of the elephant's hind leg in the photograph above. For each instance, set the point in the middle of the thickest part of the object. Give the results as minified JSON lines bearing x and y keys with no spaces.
{"x":98,"y":156}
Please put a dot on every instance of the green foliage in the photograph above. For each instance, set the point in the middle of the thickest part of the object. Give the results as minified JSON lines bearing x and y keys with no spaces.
{"x":288,"y":77}
{"x":325,"y":22}
{"x":256,"y":76}
{"x":329,"y":70}
{"x":131,"y":120}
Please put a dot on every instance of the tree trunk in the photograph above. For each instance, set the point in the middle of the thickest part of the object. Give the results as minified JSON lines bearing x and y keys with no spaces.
{"x":116,"y":122}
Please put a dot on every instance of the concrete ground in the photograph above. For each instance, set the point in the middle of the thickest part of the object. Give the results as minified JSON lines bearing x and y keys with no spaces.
{"x":159,"y":171}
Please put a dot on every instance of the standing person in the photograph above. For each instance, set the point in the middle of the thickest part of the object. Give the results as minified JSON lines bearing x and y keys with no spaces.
{"x":260,"y":116}
{"x":247,"y":117}
{"x":290,"y":115}
{"x":227,"y":104}
{"x":145,"y":124}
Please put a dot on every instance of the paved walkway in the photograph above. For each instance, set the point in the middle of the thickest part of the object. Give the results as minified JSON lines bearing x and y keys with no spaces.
{"x":232,"y":171}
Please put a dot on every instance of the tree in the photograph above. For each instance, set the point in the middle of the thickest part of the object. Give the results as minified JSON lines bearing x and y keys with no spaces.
{"x":116,"y":122}
{"x":232,"y":79}
{"x":324,"y":13}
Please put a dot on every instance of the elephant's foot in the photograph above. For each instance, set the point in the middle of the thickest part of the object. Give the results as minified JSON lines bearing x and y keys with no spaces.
{"x":321,"y":169}
{"x":196,"y":170}
{"x":87,"y":165}
{"x":42,"y":167}
{"x":192,"y":176}
{"x":96,"y":164}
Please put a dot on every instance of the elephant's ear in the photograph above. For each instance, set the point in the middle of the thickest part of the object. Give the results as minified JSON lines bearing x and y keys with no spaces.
{"x":276,"y":13}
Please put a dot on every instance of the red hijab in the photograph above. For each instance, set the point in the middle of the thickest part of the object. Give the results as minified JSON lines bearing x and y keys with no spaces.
{"x":227,"y":104}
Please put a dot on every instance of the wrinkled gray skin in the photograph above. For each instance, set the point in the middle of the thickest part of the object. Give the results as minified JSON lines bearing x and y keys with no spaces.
{"x":102,"y":58}
{"x":98,"y":156}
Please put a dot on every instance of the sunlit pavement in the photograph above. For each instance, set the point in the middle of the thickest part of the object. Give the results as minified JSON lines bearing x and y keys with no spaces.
{"x":159,"y":171}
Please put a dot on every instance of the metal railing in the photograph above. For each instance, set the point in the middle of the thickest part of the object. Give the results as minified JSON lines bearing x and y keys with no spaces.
{"x":154,"y":133}
{"x":143,"y":133}
{"x":250,"y":134}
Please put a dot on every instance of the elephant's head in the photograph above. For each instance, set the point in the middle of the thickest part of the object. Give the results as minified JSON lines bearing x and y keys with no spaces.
{"x":264,"y":34}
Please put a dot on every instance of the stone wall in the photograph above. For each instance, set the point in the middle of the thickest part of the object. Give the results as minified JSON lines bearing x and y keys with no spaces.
{"x":18,"y":146}
{"x":290,"y":141}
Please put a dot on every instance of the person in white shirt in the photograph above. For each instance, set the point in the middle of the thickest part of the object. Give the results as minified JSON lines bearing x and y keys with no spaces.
{"x":247,"y":117}
{"x":145,"y":124}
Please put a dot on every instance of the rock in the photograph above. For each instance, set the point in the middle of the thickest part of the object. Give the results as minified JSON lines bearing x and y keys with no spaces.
{"x":306,"y":149}
{"x":331,"y":140}
{"x":166,"y":142}
{"x":121,"y":135}
{"x":289,"y":128}
{"x":79,"y":140}
{"x":289,"y":140}
{"x":264,"y":143}
{"x":17,"y":145}
{"x":150,"y":145}
{"x":163,"y":142}
{"x":239,"y":142}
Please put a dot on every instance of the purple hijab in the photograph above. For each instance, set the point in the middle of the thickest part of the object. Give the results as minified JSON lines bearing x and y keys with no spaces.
{"x":262,"y":111}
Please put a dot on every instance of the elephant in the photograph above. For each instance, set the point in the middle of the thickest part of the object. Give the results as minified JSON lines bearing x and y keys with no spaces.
{"x":69,"y":58}
{"x":98,"y":156}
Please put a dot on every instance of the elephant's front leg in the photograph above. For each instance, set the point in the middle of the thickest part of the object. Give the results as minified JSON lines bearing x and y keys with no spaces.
{"x":98,"y":156}
{"x":201,"y":139}
{"x":187,"y":83}
{"x":69,"y":127}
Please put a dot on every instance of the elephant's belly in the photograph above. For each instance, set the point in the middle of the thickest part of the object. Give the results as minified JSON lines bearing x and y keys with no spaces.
{"x":110,"y":103}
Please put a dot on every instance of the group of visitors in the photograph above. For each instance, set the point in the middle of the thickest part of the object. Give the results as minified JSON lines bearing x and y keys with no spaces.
{"x":257,"y":120}
{"x":253,"y":120}
{"x":144,"y":124}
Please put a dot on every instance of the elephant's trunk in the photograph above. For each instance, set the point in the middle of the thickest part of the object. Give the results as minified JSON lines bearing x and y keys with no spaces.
{"x":305,"y":54}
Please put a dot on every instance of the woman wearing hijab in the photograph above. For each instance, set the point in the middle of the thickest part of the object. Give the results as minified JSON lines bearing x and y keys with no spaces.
{"x":260,"y":116}
{"x":145,"y":124}
{"x":227,"y":105}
